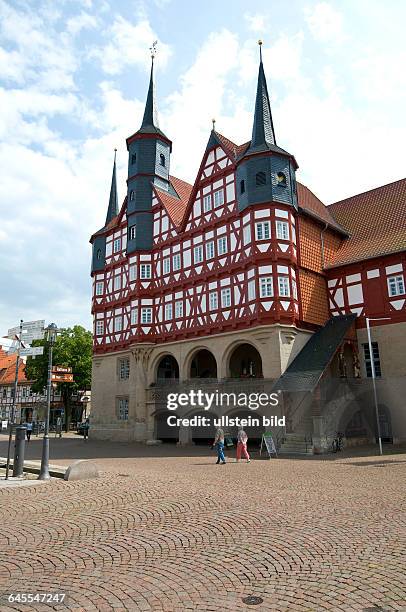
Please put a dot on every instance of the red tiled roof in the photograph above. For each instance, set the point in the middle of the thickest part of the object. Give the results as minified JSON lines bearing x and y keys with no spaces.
{"x":311,"y":203}
{"x":376,"y":222}
{"x":8,"y":368}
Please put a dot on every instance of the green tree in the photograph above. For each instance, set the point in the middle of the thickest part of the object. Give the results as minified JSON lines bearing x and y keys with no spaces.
{"x":73,"y":347}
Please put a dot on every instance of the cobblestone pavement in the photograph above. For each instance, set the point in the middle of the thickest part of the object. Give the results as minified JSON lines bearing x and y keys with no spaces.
{"x":180,"y":533}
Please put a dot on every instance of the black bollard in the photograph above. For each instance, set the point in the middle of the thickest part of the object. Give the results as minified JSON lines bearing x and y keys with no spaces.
{"x":19,"y":448}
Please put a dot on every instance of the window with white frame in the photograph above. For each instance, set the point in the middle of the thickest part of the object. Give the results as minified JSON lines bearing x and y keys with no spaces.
{"x":376,"y":357}
{"x":222,"y":245}
{"x":133,"y":273}
{"x":207,"y":203}
{"x":294,"y":288}
{"x":218,"y":198}
{"x":176,"y":262}
{"x":117,"y":245}
{"x":266,"y":286}
{"x":145,"y":271}
{"x":178,"y":310}
{"x":118,"y":324}
{"x":251,"y":290}
{"x":167,"y":265}
{"x":146,"y":315}
{"x":282,"y":230}
{"x":168,"y":312}
{"x":247,"y":234}
{"x":198,"y":254}
{"x":283,"y":284}
{"x":213,"y":300}
{"x":263,"y":230}
{"x":117,"y":282}
{"x":99,"y":288}
{"x":210,"y":249}
{"x":226,"y":297}
{"x":396,"y":285}
{"x":99,"y":328}
{"x":134,"y":316}
{"x":122,"y":408}
{"x":124,"y":369}
{"x":131,"y":233}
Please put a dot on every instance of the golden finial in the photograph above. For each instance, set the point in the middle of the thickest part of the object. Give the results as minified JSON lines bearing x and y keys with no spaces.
{"x":260,"y":49}
{"x":214,"y":123}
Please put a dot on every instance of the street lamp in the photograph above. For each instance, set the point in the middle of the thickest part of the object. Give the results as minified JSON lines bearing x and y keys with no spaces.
{"x":371,"y":357}
{"x":50,"y":335}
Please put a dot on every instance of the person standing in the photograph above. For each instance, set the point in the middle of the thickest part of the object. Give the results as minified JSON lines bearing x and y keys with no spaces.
{"x":242,"y":440}
{"x":219,"y":445}
{"x":29,"y":425}
{"x":86,"y":430}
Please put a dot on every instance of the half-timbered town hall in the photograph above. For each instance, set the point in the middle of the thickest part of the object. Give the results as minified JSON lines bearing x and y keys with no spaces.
{"x":246,"y":281}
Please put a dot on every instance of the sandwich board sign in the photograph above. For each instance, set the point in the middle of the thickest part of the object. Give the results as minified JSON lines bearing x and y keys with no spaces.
{"x":268,"y":442}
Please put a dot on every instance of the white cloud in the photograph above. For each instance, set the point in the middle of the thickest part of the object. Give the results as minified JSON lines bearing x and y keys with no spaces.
{"x":257,"y":22}
{"x":325,"y":23}
{"x":80,"y":22}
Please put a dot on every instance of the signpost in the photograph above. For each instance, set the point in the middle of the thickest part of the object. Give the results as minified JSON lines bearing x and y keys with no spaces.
{"x":32,"y":330}
{"x":32,"y":351}
{"x":267,"y":440}
{"x":62,"y":374}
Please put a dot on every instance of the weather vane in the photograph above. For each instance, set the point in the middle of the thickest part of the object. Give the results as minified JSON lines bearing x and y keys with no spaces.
{"x":260,"y":49}
{"x":214,"y":123}
{"x":153,"y":49}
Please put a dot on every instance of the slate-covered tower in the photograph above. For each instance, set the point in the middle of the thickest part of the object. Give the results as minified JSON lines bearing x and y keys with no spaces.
{"x":265,"y":172}
{"x":99,"y":242}
{"x":148,"y":163}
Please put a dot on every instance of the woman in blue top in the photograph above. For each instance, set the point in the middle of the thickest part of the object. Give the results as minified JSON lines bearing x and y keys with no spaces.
{"x":219,"y":444}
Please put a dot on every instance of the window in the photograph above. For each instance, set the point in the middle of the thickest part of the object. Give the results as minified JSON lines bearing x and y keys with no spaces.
{"x":123,"y":408}
{"x":209,"y":250}
{"x":377,"y":361}
{"x":226,"y":297}
{"x":251,"y":290}
{"x":99,"y":288}
{"x":133,"y":158}
{"x":266,"y":286}
{"x":262,"y":230}
{"x":98,"y":254}
{"x":198,"y":254}
{"x":260,"y":179}
{"x":242,"y":186}
{"x":131,"y":233}
{"x":213,"y":299}
{"x":133,"y":273}
{"x":207,"y":203}
{"x":134,"y":316}
{"x":162,"y":160}
{"x":283,"y":283}
{"x":132,"y":195}
{"x":146,"y":315}
{"x":222,"y":245}
{"x":281,"y":179}
{"x":123,"y":369}
{"x":396,"y":285}
{"x":168,"y":312}
{"x":99,"y":328}
{"x":145,"y":270}
{"x":117,"y":282}
{"x":176,"y":262}
{"x":118,"y":324}
{"x":282,"y":230}
{"x":247,"y":234}
{"x":117,"y":245}
{"x":218,"y":198}
{"x":294,"y":288}
{"x":178,"y":310}
{"x":167,"y":265}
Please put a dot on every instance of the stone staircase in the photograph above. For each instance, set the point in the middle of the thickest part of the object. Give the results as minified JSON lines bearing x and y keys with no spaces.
{"x":296,"y":444}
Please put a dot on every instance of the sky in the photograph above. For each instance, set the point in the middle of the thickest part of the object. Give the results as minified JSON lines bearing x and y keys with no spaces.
{"x":73,"y":82}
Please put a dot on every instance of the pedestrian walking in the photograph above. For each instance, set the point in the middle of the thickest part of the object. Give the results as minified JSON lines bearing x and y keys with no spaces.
{"x":219,"y":445}
{"x":29,"y":425}
{"x":242,"y":440}
{"x":86,"y":430}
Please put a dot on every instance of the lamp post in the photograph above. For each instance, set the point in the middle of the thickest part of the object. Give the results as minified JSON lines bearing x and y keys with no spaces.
{"x":378,"y":425}
{"x":50,"y":336}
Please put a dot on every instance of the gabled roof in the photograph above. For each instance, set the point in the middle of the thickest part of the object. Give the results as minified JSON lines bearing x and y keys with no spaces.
{"x":175,"y":203}
{"x":314,"y":207}
{"x":8,"y":368}
{"x":376,"y":222}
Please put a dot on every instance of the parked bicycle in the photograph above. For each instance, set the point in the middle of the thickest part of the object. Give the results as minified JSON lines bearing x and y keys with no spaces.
{"x":338,"y":443}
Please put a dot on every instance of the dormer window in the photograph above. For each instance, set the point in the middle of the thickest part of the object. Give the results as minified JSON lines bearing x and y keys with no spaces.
{"x":260,"y":179}
{"x":98,"y":254}
{"x":131,"y":233}
{"x":242,"y":186}
{"x":133,"y":158}
{"x":131,"y":195}
{"x":281,"y":178}
{"x":162,"y":160}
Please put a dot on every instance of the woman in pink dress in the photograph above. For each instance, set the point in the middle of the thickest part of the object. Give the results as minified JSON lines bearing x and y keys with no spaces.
{"x":242,"y":440}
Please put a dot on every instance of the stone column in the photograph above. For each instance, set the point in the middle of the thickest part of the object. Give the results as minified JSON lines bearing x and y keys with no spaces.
{"x":138,"y":390}
{"x":185,"y":436}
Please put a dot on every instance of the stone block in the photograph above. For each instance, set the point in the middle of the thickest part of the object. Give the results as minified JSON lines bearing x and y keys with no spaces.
{"x":81,"y":470}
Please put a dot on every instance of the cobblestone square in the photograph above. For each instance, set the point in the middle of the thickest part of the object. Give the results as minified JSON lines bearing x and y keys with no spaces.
{"x":178,"y":532}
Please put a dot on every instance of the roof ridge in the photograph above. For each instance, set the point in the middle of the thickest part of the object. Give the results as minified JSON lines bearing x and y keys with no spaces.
{"x":367,"y":191}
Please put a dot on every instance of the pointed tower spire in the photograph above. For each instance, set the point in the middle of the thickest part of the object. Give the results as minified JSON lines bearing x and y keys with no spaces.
{"x":150,"y":118}
{"x":263,"y":133}
{"x":112,"y":210}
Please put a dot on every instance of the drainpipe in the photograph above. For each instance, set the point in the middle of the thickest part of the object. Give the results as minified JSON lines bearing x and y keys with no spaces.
{"x":322,"y":244}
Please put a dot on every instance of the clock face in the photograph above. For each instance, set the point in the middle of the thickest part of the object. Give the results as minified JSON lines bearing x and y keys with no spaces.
{"x":281,"y":178}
